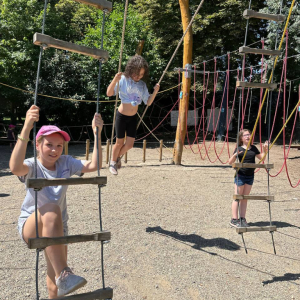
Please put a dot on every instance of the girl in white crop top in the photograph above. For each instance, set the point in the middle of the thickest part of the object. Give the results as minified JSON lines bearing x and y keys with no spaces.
{"x":132,"y":92}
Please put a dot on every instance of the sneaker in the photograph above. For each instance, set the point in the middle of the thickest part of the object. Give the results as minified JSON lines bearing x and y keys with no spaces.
{"x":113,"y":169}
{"x":235,"y":223}
{"x":119,"y":164}
{"x":68,"y":282}
{"x":244,"y":222}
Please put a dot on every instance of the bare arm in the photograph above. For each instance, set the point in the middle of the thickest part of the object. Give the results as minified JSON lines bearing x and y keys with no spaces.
{"x":110,"y":90}
{"x":232,"y":159}
{"x":152,"y":96}
{"x":91,"y":165}
{"x":265,"y":150}
{"x":16,"y":162}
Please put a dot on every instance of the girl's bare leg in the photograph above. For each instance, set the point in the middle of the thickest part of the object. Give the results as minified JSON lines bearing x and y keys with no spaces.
{"x":51,"y":284}
{"x":50,"y":225}
{"x":127,"y":146}
{"x":116,"y":149}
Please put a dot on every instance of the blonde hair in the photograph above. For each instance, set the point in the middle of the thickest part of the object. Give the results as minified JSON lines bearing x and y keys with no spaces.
{"x":240,"y":135}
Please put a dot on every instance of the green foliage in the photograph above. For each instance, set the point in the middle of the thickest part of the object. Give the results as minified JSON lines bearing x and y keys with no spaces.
{"x":218,"y":28}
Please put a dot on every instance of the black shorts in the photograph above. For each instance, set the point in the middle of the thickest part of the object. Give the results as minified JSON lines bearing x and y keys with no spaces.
{"x":125,"y":124}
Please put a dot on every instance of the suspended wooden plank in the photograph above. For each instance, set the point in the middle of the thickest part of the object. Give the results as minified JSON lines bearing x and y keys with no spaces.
{"x":245,"y":49}
{"x":253,"y":197}
{"x":294,"y":146}
{"x":256,"y":85}
{"x":249,"y":13}
{"x":43,"y":242}
{"x":252,"y":166}
{"x":256,"y":228}
{"x":42,"y":39}
{"x":42,"y":182}
{"x":100,"y":4}
{"x":100,"y":294}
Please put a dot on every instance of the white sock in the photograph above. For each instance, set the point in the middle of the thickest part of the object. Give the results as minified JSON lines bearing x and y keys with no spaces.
{"x":113,"y":162}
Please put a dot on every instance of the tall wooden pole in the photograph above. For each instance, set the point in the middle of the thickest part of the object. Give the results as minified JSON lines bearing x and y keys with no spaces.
{"x":186,"y":82}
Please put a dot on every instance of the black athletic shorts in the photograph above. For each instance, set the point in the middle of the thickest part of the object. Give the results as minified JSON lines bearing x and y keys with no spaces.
{"x":125,"y":124}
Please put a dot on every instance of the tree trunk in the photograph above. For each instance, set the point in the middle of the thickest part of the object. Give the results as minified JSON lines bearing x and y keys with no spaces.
{"x":186,"y":82}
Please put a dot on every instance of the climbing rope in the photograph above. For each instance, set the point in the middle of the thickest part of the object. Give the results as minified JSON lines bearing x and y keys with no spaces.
{"x":35,"y":154}
{"x":175,"y":52}
{"x":119,"y":70}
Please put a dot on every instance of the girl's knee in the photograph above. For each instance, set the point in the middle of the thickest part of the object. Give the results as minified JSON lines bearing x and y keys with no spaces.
{"x":129,"y":145}
{"x":50,"y":212}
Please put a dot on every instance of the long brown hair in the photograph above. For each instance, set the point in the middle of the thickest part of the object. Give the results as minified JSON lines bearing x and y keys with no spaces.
{"x":240,"y":135}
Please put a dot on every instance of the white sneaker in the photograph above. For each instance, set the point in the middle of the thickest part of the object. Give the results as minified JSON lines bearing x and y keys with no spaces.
{"x":113,"y":169}
{"x":68,"y":282}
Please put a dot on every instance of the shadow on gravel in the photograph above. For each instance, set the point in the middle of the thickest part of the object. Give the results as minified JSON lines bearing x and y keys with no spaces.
{"x":278,"y":224}
{"x":198,"y":241}
{"x":296,"y":157}
{"x":4,"y":195}
{"x":285,"y":277}
{"x":2,"y":174}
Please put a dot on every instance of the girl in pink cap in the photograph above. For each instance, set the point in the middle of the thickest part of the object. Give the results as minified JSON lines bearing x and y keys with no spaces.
{"x":52,"y":209}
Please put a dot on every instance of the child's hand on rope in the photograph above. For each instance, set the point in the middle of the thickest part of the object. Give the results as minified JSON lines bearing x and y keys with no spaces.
{"x":156,"y":88}
{"x":117,"y":77}
{"x":32,"y":116}
{"x":265,"y":146}
{"x":97,"y":122}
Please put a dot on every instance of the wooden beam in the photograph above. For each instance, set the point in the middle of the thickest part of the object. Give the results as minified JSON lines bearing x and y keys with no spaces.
{"x":100,"y":294}
{"x":42,"y":39}
{"x":256,"y":228}
{"x":249,"y":13}
{"x":256,"y":85}
{"x":100,"y":4}
{"x":41,"y":182}
{"x":253,"y":197}
{"x":43,"y":242}
{"x":245,"y":49}
{"x":252,"y":166}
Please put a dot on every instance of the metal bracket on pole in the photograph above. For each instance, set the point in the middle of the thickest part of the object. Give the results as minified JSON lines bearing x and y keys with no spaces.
{"x":188,"y":71}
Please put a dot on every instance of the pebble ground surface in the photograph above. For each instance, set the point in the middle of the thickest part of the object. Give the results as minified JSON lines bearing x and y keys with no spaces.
{"x":171,"y":238}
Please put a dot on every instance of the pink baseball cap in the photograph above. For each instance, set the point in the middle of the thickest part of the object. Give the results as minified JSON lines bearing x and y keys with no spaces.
{"x":11,"y":126}
{"x":50,"y":129}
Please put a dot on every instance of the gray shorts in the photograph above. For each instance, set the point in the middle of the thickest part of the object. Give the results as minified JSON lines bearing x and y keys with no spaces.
{"x":22,"y":221}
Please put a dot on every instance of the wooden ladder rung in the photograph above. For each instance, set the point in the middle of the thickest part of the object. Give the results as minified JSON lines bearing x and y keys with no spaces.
{"x":100,"y":4}
{"x":256,"y":228}
{"x":245,"y":49}
{"x":100,"y":294}
{"x":48,"y":41}
{"x":253,"y":197}
{"x":39,"y":183}
{"x":43,"y":242}
{"x":256,"y":85}
{"x":252,"y":166}
{"x":249,"y":13}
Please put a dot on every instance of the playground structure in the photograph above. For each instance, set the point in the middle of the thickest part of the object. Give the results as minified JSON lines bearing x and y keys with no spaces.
{"x":41,"y":39}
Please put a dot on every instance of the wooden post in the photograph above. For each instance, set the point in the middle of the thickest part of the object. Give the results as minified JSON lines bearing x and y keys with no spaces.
{"x":186,"y":82}
{"x":160,"y":149}
{"x":87,"y":149}
{"x":144,"y":150}
{"x":66,"y":148}
{"x":107,"y":150}
{"x":139,"y":48}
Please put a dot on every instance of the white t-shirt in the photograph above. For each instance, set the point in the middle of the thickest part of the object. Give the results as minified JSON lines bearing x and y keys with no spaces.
{"x":66,"y":166}
{"x":131,"y":91}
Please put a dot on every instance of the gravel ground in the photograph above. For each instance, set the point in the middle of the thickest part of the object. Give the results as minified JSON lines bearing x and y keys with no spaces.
{"x":171,"y":237}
